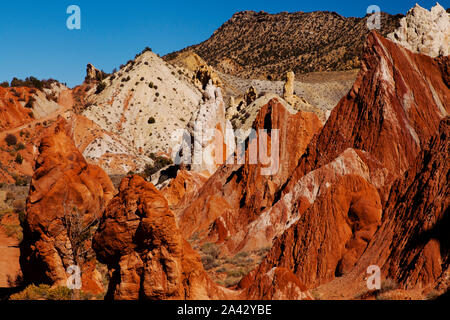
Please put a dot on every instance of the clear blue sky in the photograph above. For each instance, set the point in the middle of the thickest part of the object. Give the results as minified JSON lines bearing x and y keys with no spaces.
{"x":35,"y":40}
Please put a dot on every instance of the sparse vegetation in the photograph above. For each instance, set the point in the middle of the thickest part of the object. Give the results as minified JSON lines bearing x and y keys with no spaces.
{"x":43,"y":292}
{"x":100,"y":87}
{"x":19,"y":159}
{"x":11,"y":139}
{"x":30,"y":103}
{"x":32,"y":82}
{"x":158,"y":164}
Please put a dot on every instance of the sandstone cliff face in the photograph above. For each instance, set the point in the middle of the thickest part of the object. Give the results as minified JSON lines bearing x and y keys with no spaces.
{"x":412,"y":244}
{"x":93,"y":74}
{"x":236,"y":194}
{"x":424,"y":31}
{"x":139,"y":240}
{"x":390,"y":112}
{"x":276,"y":284}
{"x":211,"y":132}
{"x":340,"y":209}
{"x":65,"y":201}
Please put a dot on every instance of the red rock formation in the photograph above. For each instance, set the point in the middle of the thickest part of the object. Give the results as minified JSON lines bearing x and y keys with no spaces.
{"x":392,"y":110}
{"x":12,"y":113}
{"x":139,"y":240}
{"x":412,"y":245}
{"x":276,"y":284}
{"x":66,"y":198}
{"x":334,"y":201}
{"x":330,"y":236}
{"x":181,"y":190}
{"x":236,"y":194}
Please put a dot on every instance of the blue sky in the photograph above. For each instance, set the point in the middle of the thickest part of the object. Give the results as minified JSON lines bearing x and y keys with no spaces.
{"x":35,"y":40}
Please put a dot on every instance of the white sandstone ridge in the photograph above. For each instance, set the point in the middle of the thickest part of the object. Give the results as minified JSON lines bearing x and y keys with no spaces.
{"x":424,"y":31}
{"x":212,"y":134}
{"x":142,"y":105}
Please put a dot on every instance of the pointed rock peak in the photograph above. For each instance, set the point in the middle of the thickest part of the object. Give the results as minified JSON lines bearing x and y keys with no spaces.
{"x":93,"y":74}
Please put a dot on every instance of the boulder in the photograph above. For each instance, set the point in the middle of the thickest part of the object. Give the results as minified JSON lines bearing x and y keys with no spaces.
{"x":138,"y":238}
{"x":66,"y":199}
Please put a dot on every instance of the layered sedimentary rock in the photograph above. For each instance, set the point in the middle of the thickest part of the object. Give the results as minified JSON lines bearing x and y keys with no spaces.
{"x":330,"y":236}
{"x":141,"y":106}
{"x":237,"y":193}
{"x":65,"y":201}
{"x":201,"y":71}
{"x":341,"y":211}
{"x":392,"y":110}
{"x":139,"y":240}
{"x":184,"y":187}
{"x":211,"y":132}
{"x":412,"y":244}
{"x":424,"y":31}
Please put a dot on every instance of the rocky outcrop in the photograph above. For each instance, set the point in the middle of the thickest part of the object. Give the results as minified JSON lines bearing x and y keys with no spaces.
{"x":276,"y":284}
{"x":299,"y":103}
{"x":424,"y":31}
{"x":65,"y":201}
{"x":288,"y":89}
{"x":342,"y":214}
{"x":93,"y":74}
{"x":193,"y":64}
{"x":211,"y":132}
{"x":250,"y":95}
{"x":410,"y":247}
{"x":236,"y":194}
{"x":204,"y":74}
{"x":183,"y":188}
{"x":139,"y":240}
{"x":391,"y":112}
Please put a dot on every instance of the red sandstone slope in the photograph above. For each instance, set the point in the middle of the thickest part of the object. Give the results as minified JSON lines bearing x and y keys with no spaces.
{"x":12,"y":111}
{"x":139,"y":240}
{"x":338,"y":223}
{"x":66,"y":198}
{"x":412,"y":245}
{"x":392,"y":110}
{"x":236,"y":194}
